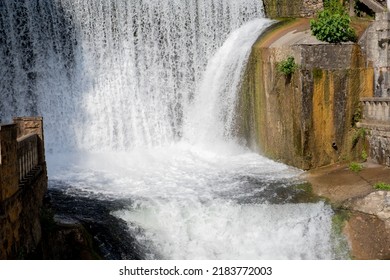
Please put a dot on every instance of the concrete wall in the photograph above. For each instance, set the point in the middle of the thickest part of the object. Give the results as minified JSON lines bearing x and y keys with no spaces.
{"x":306,"y":120}
{"x":292,"y":8}
{"x":20,"y":203}
{"x":376,"y":46}
{"x":376,"y":117}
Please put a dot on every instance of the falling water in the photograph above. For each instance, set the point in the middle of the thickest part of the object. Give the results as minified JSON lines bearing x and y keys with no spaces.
{"x":138,"y":99}
{"x":110,"y":74}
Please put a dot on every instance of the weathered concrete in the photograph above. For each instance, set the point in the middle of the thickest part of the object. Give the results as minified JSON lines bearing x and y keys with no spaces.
{"x":292,"y":8}
{"x":23,"y":183}
{"x":376,"y":110}
{"x":375,"y":44}
{"x":375,"y":5}
{"x":378,"y":135}
{"x":308,"y":119}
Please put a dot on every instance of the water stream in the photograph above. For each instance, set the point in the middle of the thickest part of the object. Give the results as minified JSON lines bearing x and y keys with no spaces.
{"x":138,"y":99}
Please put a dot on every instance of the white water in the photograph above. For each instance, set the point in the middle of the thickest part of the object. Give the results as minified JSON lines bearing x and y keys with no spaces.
{"x":138,"y":99}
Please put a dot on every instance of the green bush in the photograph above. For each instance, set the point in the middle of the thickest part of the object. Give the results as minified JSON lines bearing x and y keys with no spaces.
{"x":355,"y":167}
{"x":382,"y":186}
{"x":333,"y":25}
{"x":287,"y":66}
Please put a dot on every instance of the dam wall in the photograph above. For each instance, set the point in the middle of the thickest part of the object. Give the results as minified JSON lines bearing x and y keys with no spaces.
{"x":307,"y":119}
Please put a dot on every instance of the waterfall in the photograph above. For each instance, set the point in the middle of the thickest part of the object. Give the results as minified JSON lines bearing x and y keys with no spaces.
{"x":110,"y":75}
{"x":138,"y":99}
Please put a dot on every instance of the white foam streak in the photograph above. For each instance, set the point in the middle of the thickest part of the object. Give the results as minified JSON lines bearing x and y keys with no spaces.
{"x":221,"y":230}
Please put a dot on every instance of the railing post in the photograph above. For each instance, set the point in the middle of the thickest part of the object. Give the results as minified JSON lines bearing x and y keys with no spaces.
{"x":32,"y":125}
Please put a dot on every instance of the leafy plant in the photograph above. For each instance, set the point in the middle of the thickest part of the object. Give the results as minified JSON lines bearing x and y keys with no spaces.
{"x":356,"y":117}
{"x":382,"y":186}
{"x":334,"y":5}
{"x":364,"y":155}
{"x":359,"y":134}
{"x":333,"y":24}
{"x":355,"y":167}
{"x":287,"y":66}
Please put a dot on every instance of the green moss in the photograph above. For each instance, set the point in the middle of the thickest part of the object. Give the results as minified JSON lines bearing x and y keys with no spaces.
{"x":317,"y":74}
{"x":306,"y":194}
{"x":339,"y":220}
{"x":339,"y":242}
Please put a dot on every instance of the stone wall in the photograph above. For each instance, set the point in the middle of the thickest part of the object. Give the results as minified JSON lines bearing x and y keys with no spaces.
{"x":376,"y":122}
{"x":292,"y":8}
{"x":21,"y":198}
{"x":376,"y":46}
{"x":308,"y":119}
{"x":376,"y":117}
{"x":8,"y":160}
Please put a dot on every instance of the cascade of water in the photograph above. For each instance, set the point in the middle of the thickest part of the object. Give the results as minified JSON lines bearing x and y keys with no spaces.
{"x":114,"y":75}
{"x":110,"y":74}
{"x":211,"y":118}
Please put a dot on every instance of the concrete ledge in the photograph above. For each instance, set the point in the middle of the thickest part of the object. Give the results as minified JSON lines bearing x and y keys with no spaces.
{"x":375,"y":99}
{"x":375,"y":125}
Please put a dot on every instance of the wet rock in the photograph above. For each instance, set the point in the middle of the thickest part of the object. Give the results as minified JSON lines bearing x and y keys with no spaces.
{"x":368,"y":237}
{"x":376,"y":203}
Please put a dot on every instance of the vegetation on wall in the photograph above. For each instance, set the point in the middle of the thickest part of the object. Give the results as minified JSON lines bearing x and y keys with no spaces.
{"x":332,"y":25}
{"x":287,"y":66}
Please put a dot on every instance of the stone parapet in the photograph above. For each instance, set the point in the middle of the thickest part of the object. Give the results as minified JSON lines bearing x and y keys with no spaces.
{"x":23,"y":183}
{"x":376,"y":109}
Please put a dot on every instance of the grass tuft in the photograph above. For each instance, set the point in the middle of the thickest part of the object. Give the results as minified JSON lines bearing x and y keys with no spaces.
{"x":355,"y":167}
{"x":382,"y":186}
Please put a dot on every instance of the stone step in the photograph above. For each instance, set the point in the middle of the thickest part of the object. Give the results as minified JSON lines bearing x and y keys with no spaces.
{"x":374,"y":5}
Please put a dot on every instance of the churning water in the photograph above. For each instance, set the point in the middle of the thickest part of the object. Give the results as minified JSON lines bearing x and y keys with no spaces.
{"x":138,"y":99}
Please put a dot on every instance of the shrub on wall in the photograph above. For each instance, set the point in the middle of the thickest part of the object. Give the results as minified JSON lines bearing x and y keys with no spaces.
{"x":287,"y":66}
{"x":333,"y":24}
